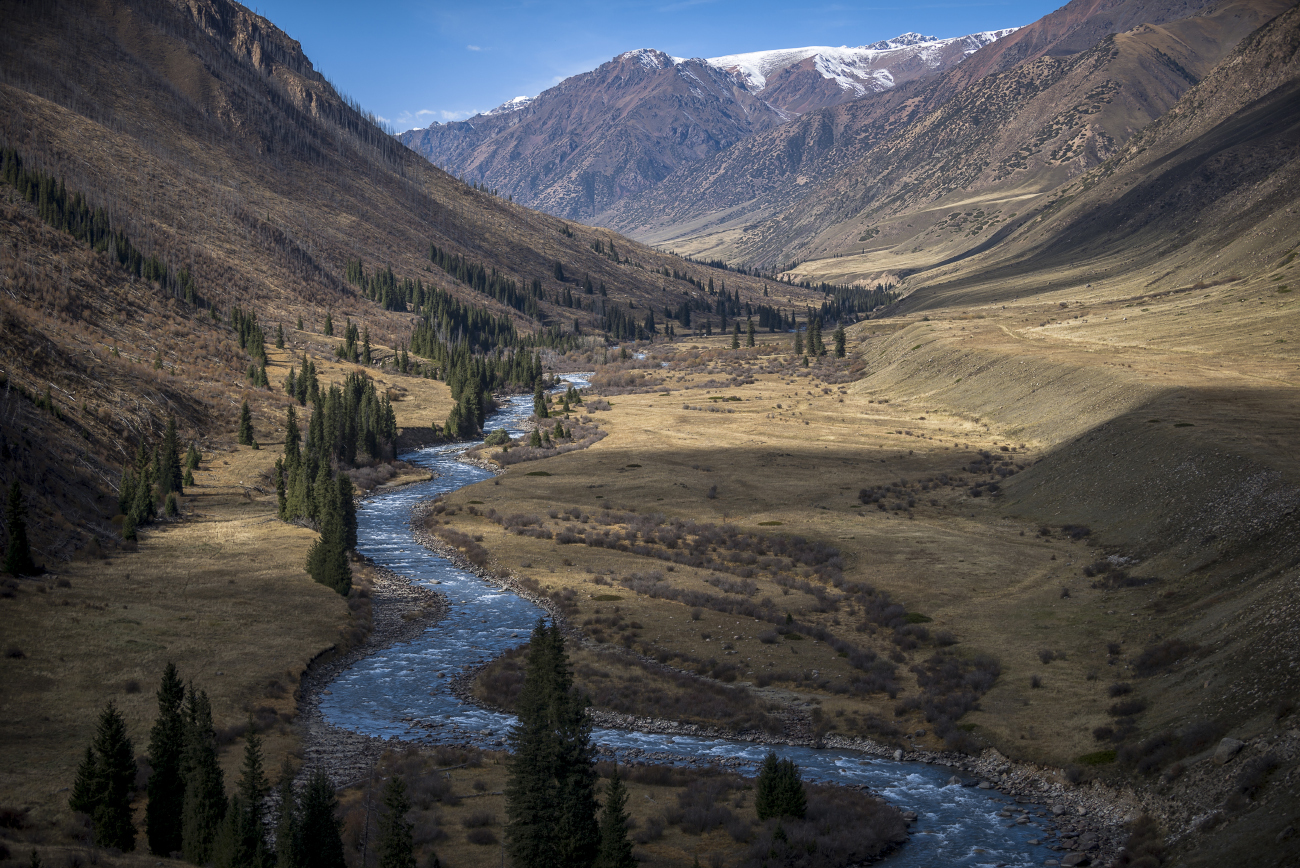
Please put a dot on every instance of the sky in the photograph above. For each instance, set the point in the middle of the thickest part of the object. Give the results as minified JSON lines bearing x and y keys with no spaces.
{"x":414,"y":62}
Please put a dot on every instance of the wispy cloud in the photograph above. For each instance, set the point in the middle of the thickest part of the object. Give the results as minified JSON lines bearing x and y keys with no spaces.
{"x":473,"y":48}
{"x":414,"y":120}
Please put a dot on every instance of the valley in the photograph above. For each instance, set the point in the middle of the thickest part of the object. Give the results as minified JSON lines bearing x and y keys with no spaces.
{"x":952,"y":417}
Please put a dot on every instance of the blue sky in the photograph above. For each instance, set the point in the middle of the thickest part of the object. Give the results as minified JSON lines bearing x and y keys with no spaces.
{"x":413,"y":62}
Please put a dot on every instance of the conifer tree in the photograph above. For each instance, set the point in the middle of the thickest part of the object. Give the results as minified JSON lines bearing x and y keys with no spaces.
{"x":798,"y":341}
{"x":539,"y":403}
{"x":841,"y":339}
{"x":327,"y":560}
{"x":192,"y":458}
{"x":300,"y":322}
{"x":166,"y":788}
{"x":320,"y":834}
{"x":170,"y":460}
{"x":396,"y":846}
{"x":245,"y":425}
{"x":749,"y":332}
{"x":105,"y":782}
{"x":329,"y":325}
{"x":205,"y":790}
{"x":735,"y":336}
{"x":242,"y":840}
{"x":780,"y":792}
{"x":615,"y":848}
{"x":288,"y":829}
{"x":550,"y":794}
{"x":18,"y":553}
{"x":279,"y":336}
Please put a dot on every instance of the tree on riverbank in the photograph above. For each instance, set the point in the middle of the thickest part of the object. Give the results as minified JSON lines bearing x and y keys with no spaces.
{"x":105,"y":782}
{"x":550,"y":795}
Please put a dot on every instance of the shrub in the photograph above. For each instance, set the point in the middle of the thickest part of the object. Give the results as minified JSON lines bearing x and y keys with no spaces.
{"x":482,"y":837}
{"x":1254,"y":774}
{"x":1154,"y":658}
{"x":1046,"y":655}
{"x":1127,"y":707}
{"x":1035,"y":681}
{"x":1098,"y":758}
{"x":1120,"y":689}
{"x":841,"y":827}
{"x":478,"y":819}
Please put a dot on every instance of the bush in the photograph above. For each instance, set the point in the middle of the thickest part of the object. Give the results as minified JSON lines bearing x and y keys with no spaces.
{"x":478,"y":819}
{"x":1120,"y":689}
{"x":482,"y":837}
{"x":1154,"y":658}
{"x":1127,"y":707}
{"x":1254,"y":774}
{"x":841,"y":827}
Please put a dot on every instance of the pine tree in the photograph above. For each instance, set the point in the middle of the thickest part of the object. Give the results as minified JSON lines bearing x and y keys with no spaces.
{"x":279,"y":336}
{"x":205,"y":789}
{"x":749,"y":332}
{"x":735,"y":336}
{"x":166,"y":788}
{"x":242,"y":840}
{"x":300,"y":322}
{"x":245,"y":425}
{"x":322,"y":842}
{"x":396,"y":846}
{"x":192,"y":458}
{"x":327,"y":560}
{"x":18,"y":554}
{"x":288,"y":829}
{"x":798,"y":341}
{"x":550,"y":795}
{"x":841,"y":339}
{"x":105,"y":782}
{"x":615,"y":848}
{"x":329,"y":325}
{"x":539,"y":403}
{"x":780,"y":792}
{"x":170,"y":460}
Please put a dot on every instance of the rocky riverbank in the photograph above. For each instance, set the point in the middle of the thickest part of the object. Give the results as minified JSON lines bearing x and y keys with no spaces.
{"x":400,"y":612}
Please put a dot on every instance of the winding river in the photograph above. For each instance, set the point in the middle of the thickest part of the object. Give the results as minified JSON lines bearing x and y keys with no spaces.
{"x":404,"y":690}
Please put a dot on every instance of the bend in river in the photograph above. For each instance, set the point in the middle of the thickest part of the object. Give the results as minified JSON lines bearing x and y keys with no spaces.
{"x":404,"y":690}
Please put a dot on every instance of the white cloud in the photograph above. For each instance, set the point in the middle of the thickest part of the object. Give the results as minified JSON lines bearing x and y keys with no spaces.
{"x":473,"y":48}
{"x":420,"y":119}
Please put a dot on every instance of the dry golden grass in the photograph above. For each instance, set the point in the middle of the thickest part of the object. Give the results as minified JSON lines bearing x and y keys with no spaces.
{"x":222,"y":594}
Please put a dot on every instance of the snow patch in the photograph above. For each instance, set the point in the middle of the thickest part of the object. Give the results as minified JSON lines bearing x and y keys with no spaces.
{"x":512,"y":105}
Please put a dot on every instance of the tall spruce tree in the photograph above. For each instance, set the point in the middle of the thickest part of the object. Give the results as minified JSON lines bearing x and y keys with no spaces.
{"x":241,"y":842}
{"x":288,"y":828}
{"x":615,"y":848}
{"x":780,"y":792}
{"x":204,"y":805}
{"x":105,"y":782}
{"x":170,"y":460}
{"x":166,"y":788}
{"x":18,"y":553}
{"x":841,"y":341}
{"x":396,"y":844}
{"x":245,"y":425}
{"x":550,"y":795}
{"x":322,"y":841}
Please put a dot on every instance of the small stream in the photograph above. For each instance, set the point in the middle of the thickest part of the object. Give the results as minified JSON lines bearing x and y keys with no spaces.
{"x":403,"y":690}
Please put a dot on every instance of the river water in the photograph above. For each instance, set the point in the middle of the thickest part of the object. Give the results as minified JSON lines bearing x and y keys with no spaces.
{"x":404,"y":690}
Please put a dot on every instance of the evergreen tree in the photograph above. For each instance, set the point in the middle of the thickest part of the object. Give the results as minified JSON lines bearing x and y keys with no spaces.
{"x":841,"y":339}
{"x":780,"y":792}
{"x":105,"y":782}
{"x":327,"y":560}
{"x":615,"y":848}
{"x":299,"y":322}
{"x":365,"y":347}
{"x":242,"y":840}
{"x":18,"y":554}
{"x":550,"y":794}
{"x":166,"y":788}
{"x":192,"y":458}
{"x":329,"y":325}
{"x":170,"y":460}
{"x":396,"y":846}
{"x":204,"y":804}
{"x":749,"y":332}
{"x":735,"y":336}
{"x":798,"y":341}
{"x":288,"y":830}
{"x":539,"y":403}
{"x":279,"y":336}
{"x":245,"y":425}
{"x":320,"y":834}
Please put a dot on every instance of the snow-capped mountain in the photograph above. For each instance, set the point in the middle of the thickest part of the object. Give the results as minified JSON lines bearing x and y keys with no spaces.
{"x":596,"y":137}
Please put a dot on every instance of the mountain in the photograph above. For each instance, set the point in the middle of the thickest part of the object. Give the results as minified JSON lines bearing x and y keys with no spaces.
{"x":205,"y":136}
{"x":1014,"y":120}
{"x":579,"y":148}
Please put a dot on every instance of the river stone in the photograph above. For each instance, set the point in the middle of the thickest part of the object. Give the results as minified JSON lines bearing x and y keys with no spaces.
{"x":953,"y":781}
{"x":1058,"y":810}
{"x":1074,"y":859}
{"x":985,"y":785}
{"x":898,"y":755}
{"x":1228,"y":748}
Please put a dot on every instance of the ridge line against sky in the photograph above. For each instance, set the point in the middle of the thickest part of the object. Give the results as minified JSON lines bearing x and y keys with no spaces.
{"x":413,"y":62}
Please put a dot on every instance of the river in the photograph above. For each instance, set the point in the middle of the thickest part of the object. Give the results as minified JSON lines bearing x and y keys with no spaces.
{"x":404,"y":690}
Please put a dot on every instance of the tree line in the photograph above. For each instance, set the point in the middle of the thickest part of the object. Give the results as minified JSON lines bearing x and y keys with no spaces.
{"x":157,"y":477}
{"x":188,"y":812}
{"x":71,"y":212}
